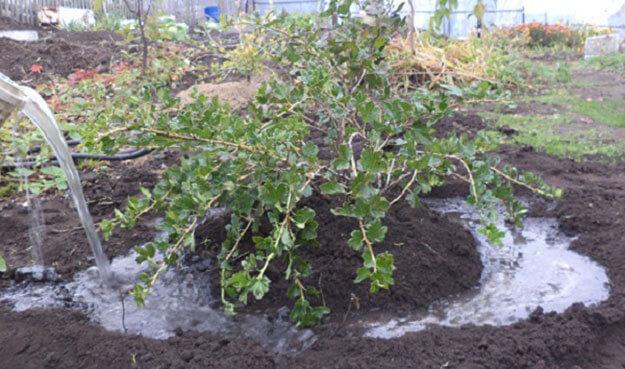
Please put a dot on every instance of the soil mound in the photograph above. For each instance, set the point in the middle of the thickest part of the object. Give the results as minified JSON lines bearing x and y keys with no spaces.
{"x":588,"y":337}
{"x":237,"y":94}
{"x":8,"y":24}
{"x":459,"y":124}
{"x":435,"y":257}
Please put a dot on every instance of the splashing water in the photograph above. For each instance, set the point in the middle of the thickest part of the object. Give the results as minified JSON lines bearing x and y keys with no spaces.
{"x":179,"y":300}
{"x":36,"y":229}
{"x":534,"y":267}
{"x":35,"y":108}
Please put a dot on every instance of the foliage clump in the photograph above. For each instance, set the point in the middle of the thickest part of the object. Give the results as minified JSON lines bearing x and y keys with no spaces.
{"x":260,"y":165}
{"x":555,"y":36}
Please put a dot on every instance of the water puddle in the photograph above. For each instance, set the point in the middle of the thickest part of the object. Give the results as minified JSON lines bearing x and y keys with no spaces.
{"x":180,"y":300}
{"x":533,"y":268}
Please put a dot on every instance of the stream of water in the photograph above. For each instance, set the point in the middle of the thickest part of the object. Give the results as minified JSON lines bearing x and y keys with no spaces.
{"x":36,"y":228}
{"x":36,"y":109}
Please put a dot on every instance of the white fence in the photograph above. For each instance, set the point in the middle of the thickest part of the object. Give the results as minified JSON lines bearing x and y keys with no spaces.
{"x":189,"y":11}
{"x":462,"y":22}
{"x":192,"y":11}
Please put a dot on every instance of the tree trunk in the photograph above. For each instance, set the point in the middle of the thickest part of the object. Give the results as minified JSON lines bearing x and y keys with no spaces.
{"x":144,"y":40}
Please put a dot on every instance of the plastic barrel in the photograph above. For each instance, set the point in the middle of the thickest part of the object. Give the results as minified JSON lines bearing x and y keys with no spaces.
{"x":212,"y":13}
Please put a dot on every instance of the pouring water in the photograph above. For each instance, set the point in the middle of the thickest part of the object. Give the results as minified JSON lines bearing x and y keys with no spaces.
{"x":30,"y":103}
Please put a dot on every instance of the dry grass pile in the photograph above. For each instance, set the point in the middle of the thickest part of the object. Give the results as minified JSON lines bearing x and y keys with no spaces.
{"x":417,"y":62}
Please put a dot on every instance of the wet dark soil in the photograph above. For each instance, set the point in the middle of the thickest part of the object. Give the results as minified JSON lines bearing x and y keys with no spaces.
{"x":460,"y":123}
{"x":65,"y":339}
{"x":59,"y":53}
{"x":585,"y":337}
{"x":434,"y":257}
{"x":65,"y":245}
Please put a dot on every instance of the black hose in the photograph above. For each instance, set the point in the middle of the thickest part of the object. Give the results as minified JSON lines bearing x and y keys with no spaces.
{"x":84,"y":156}
{"x":117,"y":157}
{"x":37,"y":149}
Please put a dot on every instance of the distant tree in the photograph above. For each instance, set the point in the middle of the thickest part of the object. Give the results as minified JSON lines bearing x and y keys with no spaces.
{"x":444,"y":9}
{"x":478,"y":11}
{"x":141,"y":11}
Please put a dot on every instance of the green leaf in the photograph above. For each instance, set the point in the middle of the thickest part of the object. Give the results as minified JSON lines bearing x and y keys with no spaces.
{"x":379,"y":206}
{"x":259,"y":287}
{"x":376,"y":231}
{"x":385,"y":262}
{"x":3,"y":265}
{"x":146,"y":192}
{"x":273,"y":195}
{"x":372,"y":161}
{"x":139,"y":293}
{"x":342,"y":158}
{"x":53,"y":171}
{"x":369,"y":112}
{"x":286,"y":238}
{"x":303,"y":216}
{"x":310,"y":150}
{"x":356,"y":240}
{"x":332,"y":188}
{"x":361,"y":185}
{"x":362,"y":274}
{"x":21,"y":172}
{"x":106,"y":226}
{"x":238,"y":280}
{"x":343,"y":8}
{"x":492,"y":233}
{"x":309,"y":233}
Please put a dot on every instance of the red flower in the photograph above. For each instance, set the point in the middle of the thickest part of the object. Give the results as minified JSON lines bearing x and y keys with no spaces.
{"x":36,"y":68}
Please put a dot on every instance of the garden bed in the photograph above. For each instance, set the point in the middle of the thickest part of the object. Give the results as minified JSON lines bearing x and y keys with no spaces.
{"x":60,"y":53}
{"x":435,"y":256}
{"x":585,"y":336}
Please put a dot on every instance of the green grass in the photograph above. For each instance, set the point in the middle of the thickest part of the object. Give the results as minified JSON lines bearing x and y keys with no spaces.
{"x":610,"y":112}
{"x":612,"y":62}
{"x":551,"y":134}
{"x":582,"y":128}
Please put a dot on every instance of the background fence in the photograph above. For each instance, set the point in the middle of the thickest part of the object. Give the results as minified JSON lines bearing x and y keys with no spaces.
{"x":189,"y":11}
{"x":461,"y":23}
{"x":289,"y":6}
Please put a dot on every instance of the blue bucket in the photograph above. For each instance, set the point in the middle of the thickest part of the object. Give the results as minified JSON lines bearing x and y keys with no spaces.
{"x":212,"y":13}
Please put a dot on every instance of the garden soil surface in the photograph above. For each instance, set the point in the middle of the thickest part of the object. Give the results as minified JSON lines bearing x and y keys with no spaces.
{"x":435,"y":256}
{"x":60,"y":53}
{"x":591,"y":208}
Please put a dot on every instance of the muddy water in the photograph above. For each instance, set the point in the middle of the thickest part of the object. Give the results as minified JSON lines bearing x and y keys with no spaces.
{"x":180,"y":299}
{"x":533,"y":268}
